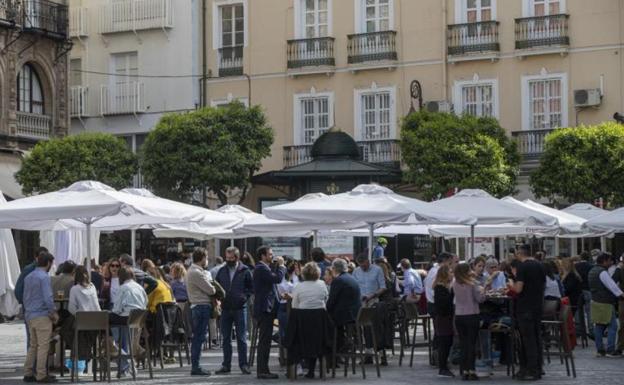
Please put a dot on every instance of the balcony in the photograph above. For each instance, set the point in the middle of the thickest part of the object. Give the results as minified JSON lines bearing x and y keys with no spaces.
{"x":316,"y":52}
{"x":45,"y":18}
{"x":136,"y":15}
{"x":78,"y":101}
{"x":122,"y":98}
{"x":383,"y":152}
{"x":33,"y":126}
{"x":231,"y":61}
{"x":78,"y":22}
{"x":543,"y":32}
{"x":473,"y":40}
{"x":9,"y":12}
{"x":531,"y":142}
{"x":371,"y":47}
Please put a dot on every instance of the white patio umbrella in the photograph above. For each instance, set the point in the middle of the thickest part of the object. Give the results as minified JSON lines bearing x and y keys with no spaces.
{"x":9,"y":271}
{"x":585,"y":210}
{"x":86,"y":203}
{"x":369,"y":204}
{"x":488,"y":210}
{"x":611,"y":221}
{"x":569,"y":224}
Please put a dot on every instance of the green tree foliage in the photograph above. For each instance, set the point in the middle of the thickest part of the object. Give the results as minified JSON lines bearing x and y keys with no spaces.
{"x":582,"y":164}
{"x":216,"y":149}
{"x":57,"y":163}
{"x":445,"y":151}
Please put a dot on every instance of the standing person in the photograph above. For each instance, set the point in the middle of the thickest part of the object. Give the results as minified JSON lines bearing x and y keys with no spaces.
{"x":530,"y":281}
{"x":40,"y":316}
{"x":236,"y":280}
{"x":572,"y":284}
{"x":468,"y":295}
{"x":583,"y":267}
{"x":412,"y":283}
{"x":318,"y":256}
{"x":111,"y":282}
{"x":443,"y":320}
{"x":443,"y":258}
{"x":266,"y":276}
{"x":605,"y":294}
{"x":344,"y":300}
{"x":200,"y":291}
{"x":618,"y":277}
{"x":380,"y":249}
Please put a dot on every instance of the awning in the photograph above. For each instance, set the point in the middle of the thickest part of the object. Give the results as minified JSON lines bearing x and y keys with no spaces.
{"x":9,"y":165}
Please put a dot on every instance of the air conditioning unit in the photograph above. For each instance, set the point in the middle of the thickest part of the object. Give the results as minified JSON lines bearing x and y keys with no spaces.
{"x":587,"y":98}
{"x":439,"y":106}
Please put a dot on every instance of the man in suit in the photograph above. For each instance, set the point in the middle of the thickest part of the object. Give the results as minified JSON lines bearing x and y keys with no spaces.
{"x":344,"y":300}
{"x":266,"y":276}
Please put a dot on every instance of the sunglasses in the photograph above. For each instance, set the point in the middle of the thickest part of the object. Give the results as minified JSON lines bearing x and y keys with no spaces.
{"x":115,"y":265}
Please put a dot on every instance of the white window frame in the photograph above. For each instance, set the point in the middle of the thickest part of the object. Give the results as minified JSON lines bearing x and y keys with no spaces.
{"x":528,"y":8}
{"x":227,"y":100}
{"x":526,"y":107}
{"x":300,"y":18}
{"x":216,"y":21}
{"x":360,"y":16}
{"x":458,"y":105}
{"x":357,"y":111}
{"x":298,"y":114}
{"x":461,"y":11}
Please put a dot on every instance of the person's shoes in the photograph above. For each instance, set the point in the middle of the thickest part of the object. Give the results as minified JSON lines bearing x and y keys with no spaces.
{"x":473,"y":377}
{"x":268,"y":376}
{"x":614,"y":354}
{"x":600,"y":353}
{"x":215,"y":344}
{"x":466,"y":377}
{"x":47,"y":380}
{"x":309,"y":375}
{"x":445,"y":373}
{"x":368,"y":360}
{"x":168,"y":360}
{"x":200,"y":372}
{"x":245,"y":370}
{"x":528,"y":377}
{"x":223,"y":370}
{"x":384,"y":361}
{"x":30,"y":379}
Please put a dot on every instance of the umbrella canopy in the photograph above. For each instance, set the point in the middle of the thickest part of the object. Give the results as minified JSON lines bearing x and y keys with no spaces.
{"x":585,"y":210}
{"x":488,"y":231}
{"x":611,"y":221}
{"x":568,"y":223}
{"x":9,"y":271}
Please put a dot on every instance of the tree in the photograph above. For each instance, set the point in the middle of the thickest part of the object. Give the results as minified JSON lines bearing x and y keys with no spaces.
{"x":582,"y":164}
{"x":211,"y":149}
{"x":444,"y":151}
{"x":57,"y":163}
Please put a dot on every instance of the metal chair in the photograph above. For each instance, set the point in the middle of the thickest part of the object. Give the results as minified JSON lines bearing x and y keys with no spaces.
{"x":354,"y":348}
{"x":412,"y":317}
{"x":92,"y":321}
{"x":175,"y":339}
{"x":136,"y":324}
{"x":557,"y":335}
{"x":366,"y":323}
{"x":187,"y":321}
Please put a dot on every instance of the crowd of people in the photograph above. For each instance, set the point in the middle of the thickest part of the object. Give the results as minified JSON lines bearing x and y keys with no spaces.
{"x":464,"y":299}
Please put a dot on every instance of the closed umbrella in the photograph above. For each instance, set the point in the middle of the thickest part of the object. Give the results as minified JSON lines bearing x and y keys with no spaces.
{"x":9,"y":271}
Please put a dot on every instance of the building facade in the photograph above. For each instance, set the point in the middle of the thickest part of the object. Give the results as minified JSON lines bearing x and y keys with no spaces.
{"x":132,"y":62}
{"x":33,"y":81}
{"x":313,"y":64}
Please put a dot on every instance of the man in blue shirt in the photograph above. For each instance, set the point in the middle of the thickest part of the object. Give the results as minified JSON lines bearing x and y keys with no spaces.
{"x":412,"y":283}
{"x":19,"y":285}
{"x":40,"y":316}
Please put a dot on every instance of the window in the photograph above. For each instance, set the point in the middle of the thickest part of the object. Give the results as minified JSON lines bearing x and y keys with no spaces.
{"x":29,"y":91}
{"x":374,"y":15}
{"x":546,"y":7}
{"x":477,"y":98}
{"x":314,"y":19}
{"x":75,"y":72}
{"x":125,"y":66}
{"x":478,"y":10}
{"x":229,"y":23}
{"x":313,"y":116}
{"x":545,"y":102}
{"x":375,"y":114}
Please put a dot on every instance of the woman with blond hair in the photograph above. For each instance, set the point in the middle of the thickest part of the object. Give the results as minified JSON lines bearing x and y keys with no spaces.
{"x":468,"y":295}
{"x":178,"y":282}
{"x":443,"y":319}
{"x":161,"y":292}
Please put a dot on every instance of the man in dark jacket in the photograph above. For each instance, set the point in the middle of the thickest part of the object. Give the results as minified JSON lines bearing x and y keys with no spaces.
{"x":266,"y":276}
{"x":236,"y":280}
{"x":344,"y":300}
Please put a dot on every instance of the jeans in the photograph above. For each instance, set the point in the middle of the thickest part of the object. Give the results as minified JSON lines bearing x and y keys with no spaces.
{"x":621,"y":330}
{"x":265,"y":332}
{"x":468,"y":331}
{"x":529,"y":325}
{"x":238,"y":319}
{"x":612,"y":329}
{"x":201,"y":317}
{"x":282,"y":318}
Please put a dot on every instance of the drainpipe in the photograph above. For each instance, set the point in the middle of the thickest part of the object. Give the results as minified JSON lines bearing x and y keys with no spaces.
{"x":444,"y":58}
{"x":204,"y":92}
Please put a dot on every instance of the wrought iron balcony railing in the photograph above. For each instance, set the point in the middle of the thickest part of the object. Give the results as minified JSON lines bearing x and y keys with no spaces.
{"x":531,"y":142}
{"x":542,"y":31}
{"x":231,"y":61}
{"x":45,"y":17}
{"x":385,"y":152}
{"x":372,"y":46}
{"x":9,"y":12}
{"x":473,"y":38}
{"x":313,"y":52}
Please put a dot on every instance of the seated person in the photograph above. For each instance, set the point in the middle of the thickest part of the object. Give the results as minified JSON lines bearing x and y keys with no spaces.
{"x":63,"y":282}
{"x":130,"y":296}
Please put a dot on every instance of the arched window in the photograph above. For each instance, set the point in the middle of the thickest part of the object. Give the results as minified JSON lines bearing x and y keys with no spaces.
{"x":29,"y":91}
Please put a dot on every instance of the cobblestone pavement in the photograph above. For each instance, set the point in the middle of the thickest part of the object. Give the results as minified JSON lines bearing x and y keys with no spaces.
{"x":590,"y":370}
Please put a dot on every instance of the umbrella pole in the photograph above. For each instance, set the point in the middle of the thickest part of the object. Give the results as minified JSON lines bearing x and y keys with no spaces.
{"x":582,"y":244}
{"x":443,"y":245}
{"x":472,"y":241}
{"x":133,"y":244}
{"x":603,"y":243}
{"x":88,"y":261}
{"x":371,"y":234}
{"x":556,"y":247}
{"x":456,"y":246}
{"x":315,"y":242}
